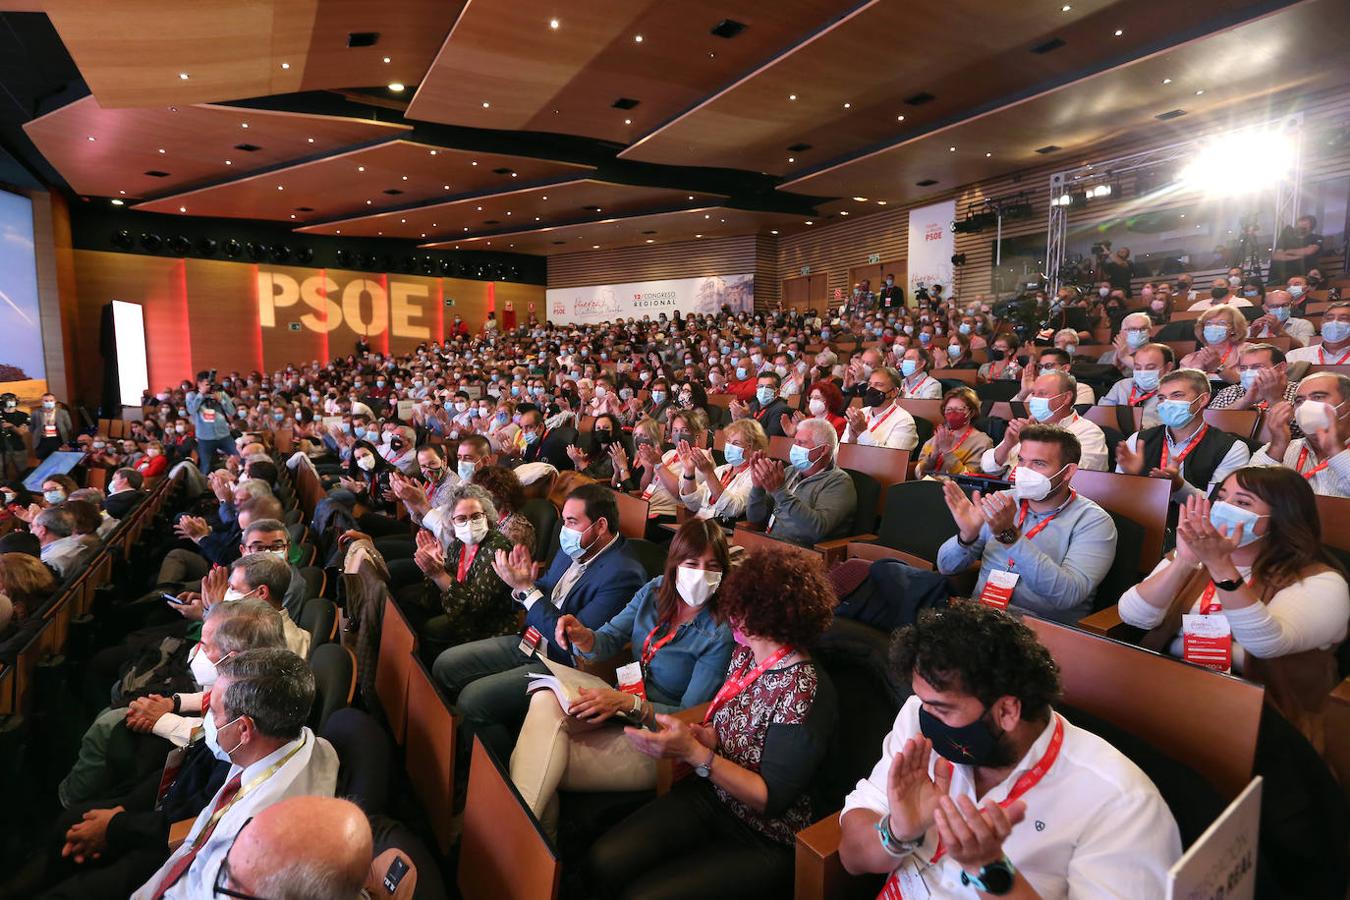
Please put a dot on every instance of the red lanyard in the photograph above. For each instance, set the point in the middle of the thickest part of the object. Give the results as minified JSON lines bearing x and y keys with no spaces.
{"x":1209,"y":604}
{"x":742,"y":680}
{"x":1302,"y":458}
{"x":1030,"y":778}
{"x":648,"y":651}
{"x":1186,"y":451}
{"x":1223,"y":362}
{"x":1140,"y":398}
{"x":1322,"y":356}
{"x":1026,"y":508}
{"x":466,"y":557}
{"x":431,"y":488}
{"x":873,"y":426}
{"x":910,"y":390}
{"x":726,"y":476}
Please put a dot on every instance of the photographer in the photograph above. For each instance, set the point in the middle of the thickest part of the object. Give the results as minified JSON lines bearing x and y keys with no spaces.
{"x":1116,"y":268}
{"x":211,"y":410}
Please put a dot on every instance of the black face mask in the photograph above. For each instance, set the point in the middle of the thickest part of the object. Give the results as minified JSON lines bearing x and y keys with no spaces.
{"x":604,"y":436}
{"x":975,"y":744}
{"x":873,"y":397}
{"x":678,"y":436}
{"x":1218,"y":292}
{"x":396,"y":444}
{"x":996,"y":354}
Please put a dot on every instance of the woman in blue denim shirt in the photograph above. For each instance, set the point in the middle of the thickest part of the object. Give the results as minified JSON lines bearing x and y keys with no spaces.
{"x":683,"y":654}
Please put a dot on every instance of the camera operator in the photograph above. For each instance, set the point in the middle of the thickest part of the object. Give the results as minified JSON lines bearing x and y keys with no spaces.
{"x":211,"y":410}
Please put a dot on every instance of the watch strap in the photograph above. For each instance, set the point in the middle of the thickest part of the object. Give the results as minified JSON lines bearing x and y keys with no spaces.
{"x":996,"y":878}
{"x":1232,"y":585}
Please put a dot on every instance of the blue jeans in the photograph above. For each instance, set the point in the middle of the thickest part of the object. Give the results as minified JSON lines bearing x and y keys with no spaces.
{"x":206,"y":451}
{"x":486,"y":682}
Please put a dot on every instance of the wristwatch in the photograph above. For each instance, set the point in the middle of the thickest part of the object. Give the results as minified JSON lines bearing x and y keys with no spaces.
{"x":1230,"y":586}
{"x":995,"y":879}
{"x":705,"y":770}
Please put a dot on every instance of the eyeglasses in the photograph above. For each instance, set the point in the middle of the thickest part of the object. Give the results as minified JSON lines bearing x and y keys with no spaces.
{"x":465,"y":520}
{"x":262,"y":548}
{"x":223,"y":873}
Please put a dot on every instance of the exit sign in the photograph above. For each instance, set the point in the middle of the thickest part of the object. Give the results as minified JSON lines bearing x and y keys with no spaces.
{"x":806,"y":270}
{"x":874,"y":258}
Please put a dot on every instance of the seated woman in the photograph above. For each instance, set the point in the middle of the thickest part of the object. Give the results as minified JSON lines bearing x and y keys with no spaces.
{"x":956,"y":445}
{"x":154,"y":463}
{"x":368,"y":479}
{"x":462,"y":599}
{"x":682,"y":652}
{"x":722,"y":491}
{"x":1222,"y":332}
{"x":957,"y":353}
{"x":729,"y":830}
{"x":594,"y":460}
{"x":508,"y":495}
{"x":30,"y":585}
{"x":823,"y":401}
{"x":1251,"y":569}
{"x":1002,"y":365}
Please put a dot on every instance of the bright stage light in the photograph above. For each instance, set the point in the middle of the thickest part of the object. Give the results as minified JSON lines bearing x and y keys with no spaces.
{"x":1241,"y":163}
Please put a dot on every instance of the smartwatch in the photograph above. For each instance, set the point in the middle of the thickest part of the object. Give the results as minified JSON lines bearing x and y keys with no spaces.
{"x":995,"y":879}
{"x":1230,"y":586}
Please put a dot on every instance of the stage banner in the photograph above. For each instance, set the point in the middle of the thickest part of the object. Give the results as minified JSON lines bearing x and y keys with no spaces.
{"x":608,"y":302}
{"x":931,"y":245}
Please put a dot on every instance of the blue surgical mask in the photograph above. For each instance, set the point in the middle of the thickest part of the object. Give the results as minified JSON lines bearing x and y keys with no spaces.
{"x":54,"y":497}
{"x":1175,"y":413}
{"x":359,"y":430}
{"x":741,"y":373}
{"x":1225,"y":516}
{"x":212,"y":734}
{"x":964,"y":328}
{"x":908,"y":367}
{"x":765,"y":395}
{"x":1136,"y":337}
{"x":925,"y":337}
{"x":569,"y":542}
{"x":1281,"y":313}
{"x":1147,"y":379}
{"x":1248,"y":377}
{"x":954,"y":351}
{"x":658,"y":397}
{"x":800,"y":457}
{"x":734,"y":454}
{"x":1334,"y":331}
{"x":1040,"y":408}
{"x":1215,"y":333}
{"x":465,"y":469}
{"x":531,"y":436}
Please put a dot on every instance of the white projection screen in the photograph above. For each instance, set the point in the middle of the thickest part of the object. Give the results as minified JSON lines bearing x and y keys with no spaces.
{"x":129,"y":330}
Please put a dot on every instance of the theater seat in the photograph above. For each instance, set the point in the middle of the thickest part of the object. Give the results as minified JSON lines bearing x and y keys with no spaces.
{"x":365,"y":757}
{"x":334,"y":669}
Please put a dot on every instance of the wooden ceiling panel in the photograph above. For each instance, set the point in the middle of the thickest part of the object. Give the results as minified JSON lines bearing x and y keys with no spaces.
{"x":966,"y":54}
{"x":133,"y":52}
{"x":503,"y":66}
{"x":631,"y":231}
{"x":394,"y":174}
{"x":1292,"y":53}
{"x":537,"y":207}
{"x":107,"y":152}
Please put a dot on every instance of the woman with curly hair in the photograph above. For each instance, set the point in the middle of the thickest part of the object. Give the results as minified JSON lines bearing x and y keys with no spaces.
{"x":508,"y":495}
{"x":731,"y":831}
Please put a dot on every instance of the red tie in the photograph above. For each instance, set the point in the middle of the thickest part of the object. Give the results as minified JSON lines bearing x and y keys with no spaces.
{"x":185,"y":861}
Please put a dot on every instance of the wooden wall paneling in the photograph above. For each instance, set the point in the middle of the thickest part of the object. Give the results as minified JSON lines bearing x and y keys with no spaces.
{"x":56,"y":292}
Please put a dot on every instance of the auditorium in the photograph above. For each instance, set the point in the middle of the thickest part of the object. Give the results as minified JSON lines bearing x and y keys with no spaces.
{"x":674,"y":450}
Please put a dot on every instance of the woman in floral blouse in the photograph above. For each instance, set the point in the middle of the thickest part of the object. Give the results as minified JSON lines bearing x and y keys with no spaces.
{"x":728,"y":829}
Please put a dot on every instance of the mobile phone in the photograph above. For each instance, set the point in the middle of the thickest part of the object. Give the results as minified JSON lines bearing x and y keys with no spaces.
{"x":397,"y":869}
{"x":174,"y":600}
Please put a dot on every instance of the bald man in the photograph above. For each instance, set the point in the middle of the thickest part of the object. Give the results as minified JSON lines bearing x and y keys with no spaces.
{"x":301,"y":847}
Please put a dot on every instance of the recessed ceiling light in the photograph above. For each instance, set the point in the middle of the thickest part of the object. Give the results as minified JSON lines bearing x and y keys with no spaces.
{"x":405,"y":177}
{"x":480,"y":209}
{"x":774,"y":231}
{"x":285,"y":65}
{"x":123,"y":193}
{"x":396,"y":87}
{"x":1119,"y":32}
{"x":280,"y":188}
{"x":424,"y":234}
{"x":508,"y":212}
{"x":182,"y":76}
{"x":433,"y":152}
{"x":952,"y":149}
{"x":707,"y":215}
{"x":514,"y":174}
{"x":339,"y":231}
{"x":475,"y":162}
{"x":243,"y":124}
{"x":987,"y":155}
{"x":860,"y":199}
{"x":292,"y":215}
{"x":1065,"y":8}
{"x":792,"y":159}
{"x":792,"y":96}
{"x":92,"y":138}
{"x":486,"y":104}
{"x":698,"y":235}
{"x":1167,"y":81}
{"x":637,"y":38}
{"x":650,"y":241}
{"x":386,"y":59}
{"x":162,"y":150}
{"x":843,"y":212}
{"x":182,"y":209}
{"x":628,"y":121}
{"x":809,"y":222}
{"x":536,"y":218}
{"x":360,"y":168}
{"x":595,"y":246}
{"x":848,"y":106}
{"x":899,"y":118}
{"x":1199,"y":92}
{"x":228,"y":163}
{"x":403,"y":221}
{"x":379,"y":234}
{"x":881,"y":203}
{"x":369,"y":202}
{"x":545,"y":197}
{"x":554,"y":23}
{"x":116,"y":202}
{"x":309,"y":140}
{"x":445,"y":187}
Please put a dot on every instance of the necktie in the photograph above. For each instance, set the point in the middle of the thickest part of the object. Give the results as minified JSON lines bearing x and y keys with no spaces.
{"x":184,"y":862}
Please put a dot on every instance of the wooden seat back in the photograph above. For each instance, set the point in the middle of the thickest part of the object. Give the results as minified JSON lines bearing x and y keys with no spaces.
{"x":924,"y":409}
{"x":886,"y":464}
{"x":1109,"y":417}
{"x":780,"y":447}
{"x":430,"y":754}
{"x":1244,"y":423}
{"x":968,"y":376}
{"x":504,"y":854}
{"x":632,"y":514}
{"x":1334,"y":513}
{"x":1177,"y":707}
{"x":1136,"y":497}
{"x":752,"y":540}
{"x":393,"y":667}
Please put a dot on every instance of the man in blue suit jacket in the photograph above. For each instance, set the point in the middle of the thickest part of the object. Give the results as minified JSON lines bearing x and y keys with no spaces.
{"x":592,"y":577}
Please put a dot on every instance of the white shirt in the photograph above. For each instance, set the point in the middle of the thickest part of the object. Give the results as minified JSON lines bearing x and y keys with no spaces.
{"x":1095,"y":825}
{"x":1237,"y":456}
{"x":732,"y":501}
{"x":1333,"y":481}
{"x":65,"y":554}
{"x":925,"y":388}
{"x":1090,"y":439}
{"x":1230,"y":300}
{"x":893,"y":427}
{"x":312,"y":771}
{"x":1119,"y":395}
{"x":659,"y":500}
{"x":1317,"y":356}
{"x":1310,"y":614}
{"x":1301,"y":330}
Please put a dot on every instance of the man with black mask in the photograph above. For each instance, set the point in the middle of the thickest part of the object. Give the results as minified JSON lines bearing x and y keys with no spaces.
{"x":1063,"y":814}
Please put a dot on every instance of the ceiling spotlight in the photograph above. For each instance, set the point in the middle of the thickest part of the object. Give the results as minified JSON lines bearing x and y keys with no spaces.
{"x":339,"y":231}
{"x":1199,"y":92}
{"x":285,"y":65}
{"x":1119,"y":32}
{"x":396,"y":87}
{"x":707,"y":215}
{"x":848,"y":106}
{"x":92,"y":139}
{"x":123,"y":193}
{"x":595,"y":246}
{"x":637,"y":38}
{"x":952,"y":149}
{"x":843,"y":212}
{"x":369,"y":202}
{"x":386,"y":59}
{"x":292,"y":215}
{"x":554,"y":23}
{"x":628,"y":121}
{"x":360,"y":168}
{"x":792,"y":96}
{"x":243,"y":124}
{"x":792,"y":159}
{"x":445,"y":187}
{"x":651,"y":241}
{"x":433,"y":152}
{"x":881,"y":203}
{"x":486,"y":104}
{"x":182,"y":76}
{"x":1065,"y":8}
{"x":162,"y":150}
{"x":182,"y":209}
{"x":405,"y":177}
{"x":403,"y":221}
{"x":899,"y":118}
{"x":545,"y":197}
{"x":1167,"y":81}
{"x":773,"y":231}
{"x":987,"y":155}
{"x":280,"y":188}
{"x":228,"y":163}
{"x":116,"y":202}
{"x":309,"y":140}
{"x":475,"y":162}
{"x":860,"y":199}
{"x":698,"y":235}
{"x":809,"y":222}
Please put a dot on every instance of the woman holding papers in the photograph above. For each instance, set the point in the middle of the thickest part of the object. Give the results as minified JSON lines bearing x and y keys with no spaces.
{"x":679,"y":654}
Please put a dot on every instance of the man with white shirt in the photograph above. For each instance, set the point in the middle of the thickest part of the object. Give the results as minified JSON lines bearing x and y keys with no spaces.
{"x":881,"y":422}
{"x":1050,"y":403}
{"x":256,"y":720}
{"x":1220,"y":294}
{"x":62,"y":549}
{"x":1334,"y":350}
{"x":1183,"y":448}
{"x":1151,"y":363}
{"x":1322,"y":413}
{"x":1279,"y":321}
{"x":1061,"y":813}
{"x":916,"y":383}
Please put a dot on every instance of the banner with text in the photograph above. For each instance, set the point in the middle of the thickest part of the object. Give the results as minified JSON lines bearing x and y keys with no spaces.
{"x":608,"y":302}
{"x":931,"y":245}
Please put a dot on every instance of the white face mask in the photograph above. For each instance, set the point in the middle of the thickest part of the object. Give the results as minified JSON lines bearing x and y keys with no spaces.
{"x":473,"y":531}
{"x":695,"y":586}
{"x":1312,"y":415}
{"x":817,"y":407}
{"x":232,"y":595}
{"x":204,"y":672}
{"x":366,"y":463}
{"x":1028,"y":484}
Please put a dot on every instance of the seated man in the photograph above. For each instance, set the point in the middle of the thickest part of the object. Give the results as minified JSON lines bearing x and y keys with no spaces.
{"x":767,"y":408}
{"x":1150,"y":363}
{"x":816,"y":501}
{"x":1193,"y":455}
{"x":1278,"y":321}
{"x":124,"y":492}
{"x":882,"y":422}
{"x":916,"y":383}
{"x":259,"y":705}
{"x":1263,"y":380}
{"x":1334,"y":350}
{"x":1134,"y":333}
{"x":218,"y":547}
{"x":291,"y":848}
{"x":62,"y":549}
{"x":1054,"y":359}
{"x":981,"y":726}
{"x":1322,"y":412}
{"x":593,"y":576}
{"x":260,"y":575}
{"x":1041,"y":546}
{"x":1050,"y":403}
